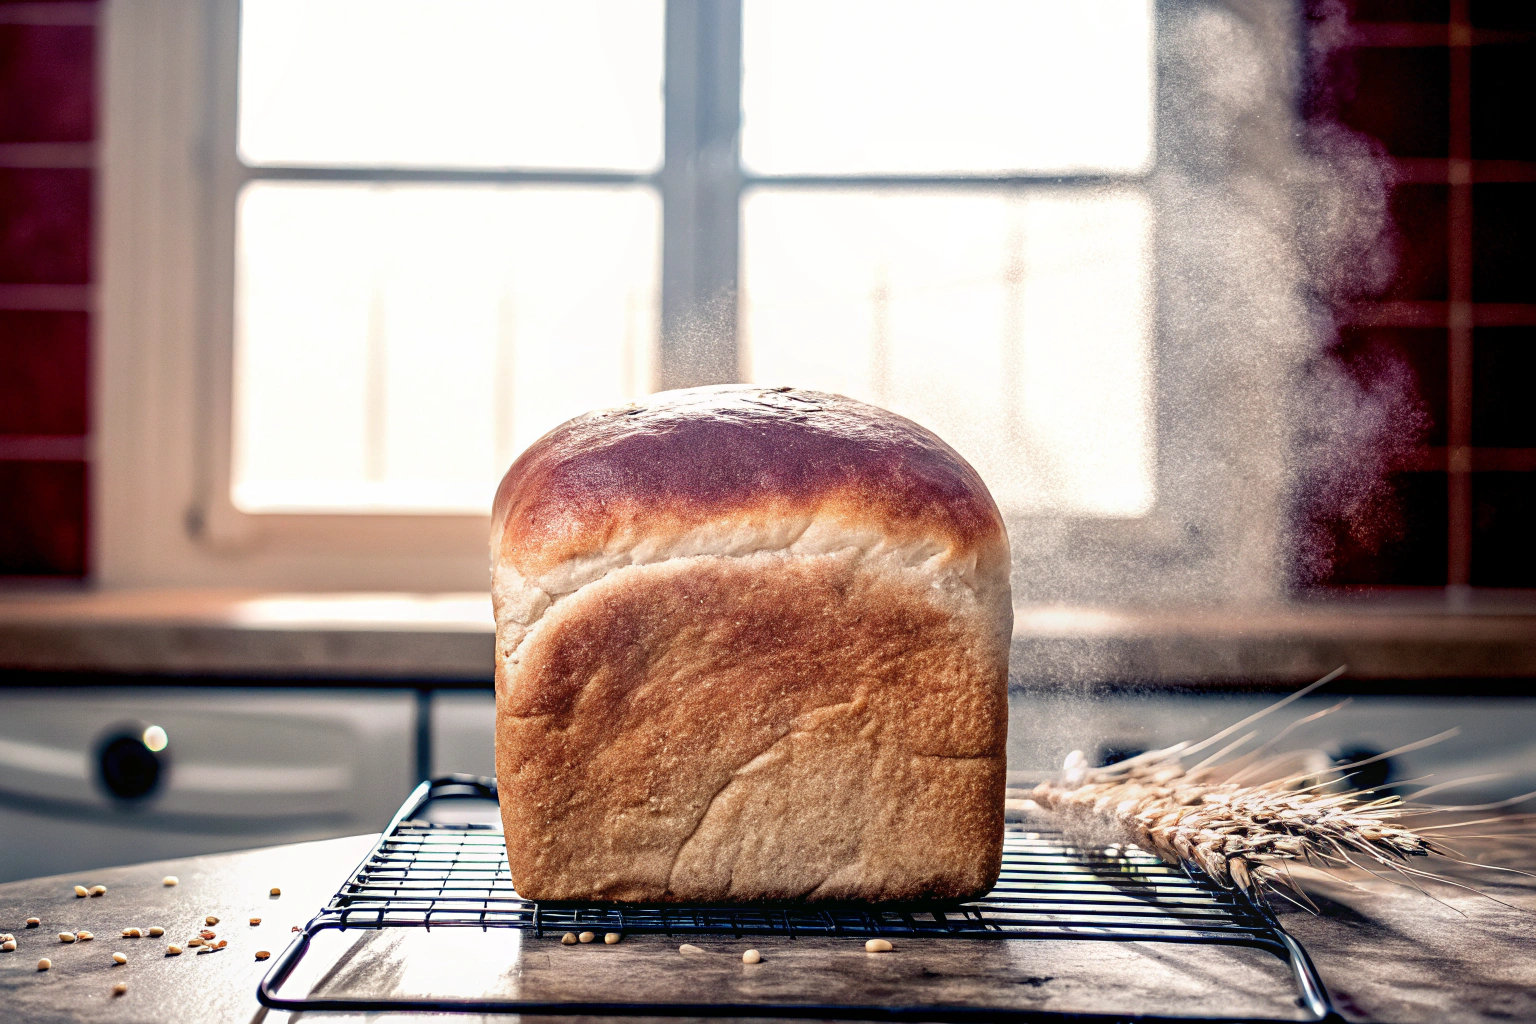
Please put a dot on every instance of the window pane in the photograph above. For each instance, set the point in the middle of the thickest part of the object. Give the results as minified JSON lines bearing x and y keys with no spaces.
{"x":909,"y":86}
{"x":397,"y":346}
{"x":1016,"y":327}
{"x":471,"y":83}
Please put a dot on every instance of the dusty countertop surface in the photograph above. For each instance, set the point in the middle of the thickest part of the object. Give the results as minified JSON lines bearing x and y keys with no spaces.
{"x":1386,"y":954}
{"x":449,"y":637}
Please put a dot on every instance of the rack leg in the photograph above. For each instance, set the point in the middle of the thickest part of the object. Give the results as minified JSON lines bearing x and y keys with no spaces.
{"x":423,"y":734}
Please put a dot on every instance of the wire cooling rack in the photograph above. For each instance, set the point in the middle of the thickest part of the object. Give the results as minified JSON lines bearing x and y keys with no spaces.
{"x":429,"y":874}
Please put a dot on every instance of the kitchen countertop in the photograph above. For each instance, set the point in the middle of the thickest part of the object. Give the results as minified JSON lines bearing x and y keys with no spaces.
{"x":233,"y":633}
{"x":448,"y":639}
{"x":1390,"y":955}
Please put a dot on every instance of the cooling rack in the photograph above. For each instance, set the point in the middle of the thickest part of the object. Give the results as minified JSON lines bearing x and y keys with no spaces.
{"x":431,"y":874}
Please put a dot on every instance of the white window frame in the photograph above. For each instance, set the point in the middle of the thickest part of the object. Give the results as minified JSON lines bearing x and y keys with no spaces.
{"x":164,"y":376}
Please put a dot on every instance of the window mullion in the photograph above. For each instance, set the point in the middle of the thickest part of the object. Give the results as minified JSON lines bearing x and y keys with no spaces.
{"x":701,"y":191}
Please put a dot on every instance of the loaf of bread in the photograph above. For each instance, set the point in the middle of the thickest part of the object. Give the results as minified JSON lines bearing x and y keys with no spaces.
{"x":751,"y":644}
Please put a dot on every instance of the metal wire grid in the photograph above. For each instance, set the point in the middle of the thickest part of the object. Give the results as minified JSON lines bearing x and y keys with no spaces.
{"x":428,"y":874}
{"x":444,"y":875}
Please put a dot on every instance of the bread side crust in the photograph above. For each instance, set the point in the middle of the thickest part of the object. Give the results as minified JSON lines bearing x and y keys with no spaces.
{"x":770,"y":725}
{"x":519,"y":602}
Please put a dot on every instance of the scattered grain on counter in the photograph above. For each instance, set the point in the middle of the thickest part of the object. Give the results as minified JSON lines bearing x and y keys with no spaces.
{"x":8,"y":946}
{"x":169,"y":880}
{"x":44,"y":964}
{"x":156,"y":931}
{"x":84,"y":936}
{"x":568,"y":939}
{"x":210,"y":920}
{"x":133,"y":933}
{"x":689,"y":947}
{"x":255,"y":921}
{"x":262,"y":954}
{"x":66,"y":936}
{"x":98,"y":890}
{"x":276,"y":891}
{"x":585,"y":937}
{"x":7,"y":937}
{"x":33,"y":922}
{"x":294,"y":928}
{"x":81,"y":892}
{"x":877,"y":946}
{"x":208,"y":933}
{"x":173,"y":950}
{"x":751,"y":956}
{"x":221,"y":944}
{"x":120,"y":988}
{"x":119,"y":958}
{"x":194,"y":942}
{"x":612,"y":937}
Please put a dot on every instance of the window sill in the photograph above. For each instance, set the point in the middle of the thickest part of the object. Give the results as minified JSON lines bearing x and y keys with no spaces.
{"x":388,"y":639}
{"x":1389,"y":646}
{"x":399,"y":639}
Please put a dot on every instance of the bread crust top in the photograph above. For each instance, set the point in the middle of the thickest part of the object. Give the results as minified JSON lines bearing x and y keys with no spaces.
{"x":684,"y":460}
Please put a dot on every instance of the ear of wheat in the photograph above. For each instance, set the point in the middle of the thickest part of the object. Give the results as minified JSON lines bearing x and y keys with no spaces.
{"x":1245,"y":821}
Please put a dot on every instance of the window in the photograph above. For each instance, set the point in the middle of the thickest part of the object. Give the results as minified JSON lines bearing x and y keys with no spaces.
{"x":1107,"y":259}
{"x":977,"y":314}
{"x":447,"y":243}
{"x":883,"y":258}
{"x":460,"y":224}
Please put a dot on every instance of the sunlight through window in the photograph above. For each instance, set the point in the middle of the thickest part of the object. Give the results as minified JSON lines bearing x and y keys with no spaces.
{"x":1016,"y":328}
{"x":397,"y":346}
{"x":451,"y":240}
{"x":472,"y":83}
{"x":1015,"y":322}
{"x":851,"y":87}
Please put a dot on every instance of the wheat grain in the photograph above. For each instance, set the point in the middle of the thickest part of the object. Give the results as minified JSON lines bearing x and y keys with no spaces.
{"x":1215,"y":817}
{"x":1235,"y":833}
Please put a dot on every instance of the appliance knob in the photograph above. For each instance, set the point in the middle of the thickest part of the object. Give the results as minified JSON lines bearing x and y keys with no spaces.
{"x":1368,"y":776}
{"x":1114,"y":753}
{"x":130,"y":768}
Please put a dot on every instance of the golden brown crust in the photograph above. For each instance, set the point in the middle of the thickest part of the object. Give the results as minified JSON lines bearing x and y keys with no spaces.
{"x":751,"y":644}
{"x":683,"y":459}
{"x":772,"y":726}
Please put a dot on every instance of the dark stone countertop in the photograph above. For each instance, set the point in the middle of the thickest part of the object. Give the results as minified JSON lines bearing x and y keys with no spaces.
{"x":1386,"y":954}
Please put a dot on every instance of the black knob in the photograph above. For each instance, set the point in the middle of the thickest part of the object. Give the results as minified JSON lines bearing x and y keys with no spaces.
{"x":129,"y":769}
{"x":1114,"y":753}
{"x":1374,"y":775}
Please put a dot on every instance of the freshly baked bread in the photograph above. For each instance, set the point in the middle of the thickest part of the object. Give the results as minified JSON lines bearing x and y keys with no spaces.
{"x":751,"y":644}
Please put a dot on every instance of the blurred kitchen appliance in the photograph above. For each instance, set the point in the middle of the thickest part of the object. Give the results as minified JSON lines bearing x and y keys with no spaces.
{"x":1491,"y":741}
{"x":97,"y":776}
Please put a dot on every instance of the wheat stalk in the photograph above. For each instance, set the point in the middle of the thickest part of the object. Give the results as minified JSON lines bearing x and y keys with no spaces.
{"x":1245,"y":833}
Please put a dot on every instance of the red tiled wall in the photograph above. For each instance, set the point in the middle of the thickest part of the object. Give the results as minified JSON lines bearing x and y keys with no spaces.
{"x":47,"y":122}
{"x":1420,"y":214}
{"x":46,"y":76}
{"x":43,"y":388}
{"x":42,"y":517}
{"x":1472,"y":484}
{"x":45,"y":225}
